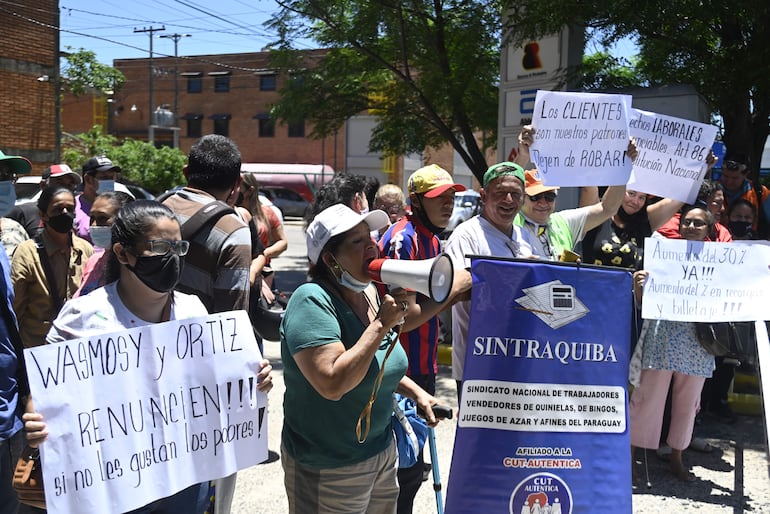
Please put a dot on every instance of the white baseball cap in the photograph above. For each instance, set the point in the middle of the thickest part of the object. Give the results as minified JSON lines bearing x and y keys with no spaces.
{"x":336,"y":220}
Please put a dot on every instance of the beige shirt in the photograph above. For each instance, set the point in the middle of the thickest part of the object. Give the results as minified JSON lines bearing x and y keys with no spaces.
{"x":32,"y":301}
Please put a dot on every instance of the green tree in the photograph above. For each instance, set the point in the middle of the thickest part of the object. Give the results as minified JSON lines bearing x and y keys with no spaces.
{"x":141,"y":163}
{"x":602,"y":70}
{"x":718,"y":47}
{"x":429,"y":71}
{"x":81,"y":72}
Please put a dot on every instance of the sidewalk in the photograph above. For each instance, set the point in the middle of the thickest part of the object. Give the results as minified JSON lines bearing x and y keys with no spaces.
{"x":732,"y":479}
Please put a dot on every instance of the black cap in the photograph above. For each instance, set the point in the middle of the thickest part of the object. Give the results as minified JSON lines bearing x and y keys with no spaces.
{"x":99,"y":163}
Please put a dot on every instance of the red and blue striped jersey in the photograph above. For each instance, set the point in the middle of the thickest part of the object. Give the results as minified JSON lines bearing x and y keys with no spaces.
{"x":408,"y":239}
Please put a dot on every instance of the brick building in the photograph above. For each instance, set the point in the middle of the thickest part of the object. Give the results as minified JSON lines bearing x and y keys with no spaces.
{"x":29,"y":75}
{"x":229,"y":94}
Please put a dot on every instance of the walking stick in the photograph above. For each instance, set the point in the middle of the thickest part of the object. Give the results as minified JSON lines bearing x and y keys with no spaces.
{"x":434,"y":468}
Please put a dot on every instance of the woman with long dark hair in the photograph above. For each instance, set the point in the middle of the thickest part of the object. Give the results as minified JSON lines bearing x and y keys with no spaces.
{"x":145,"y":266}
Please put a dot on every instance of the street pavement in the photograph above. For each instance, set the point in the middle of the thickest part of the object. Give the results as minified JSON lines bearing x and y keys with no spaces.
{"x":731,"y":479}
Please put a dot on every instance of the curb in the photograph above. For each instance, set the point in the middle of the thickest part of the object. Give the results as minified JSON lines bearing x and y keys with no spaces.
{"x":444,"y":355}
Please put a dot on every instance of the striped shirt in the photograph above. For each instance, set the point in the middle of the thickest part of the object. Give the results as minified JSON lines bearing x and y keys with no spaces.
{"x":408,"y":239}
{"x":216,"y":268}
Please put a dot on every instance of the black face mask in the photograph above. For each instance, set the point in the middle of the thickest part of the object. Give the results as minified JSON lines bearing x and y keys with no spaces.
{"x":61,"y":223}
{"x":158,"y":272}
{"x":738,"y":228}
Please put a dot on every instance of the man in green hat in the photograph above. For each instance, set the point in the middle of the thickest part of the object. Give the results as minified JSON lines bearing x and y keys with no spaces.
{"x":13,"y":383}
{"x":492,"y":232}
{"x":10,"y":166}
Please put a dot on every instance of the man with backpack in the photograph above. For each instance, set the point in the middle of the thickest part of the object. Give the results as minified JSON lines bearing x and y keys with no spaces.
{"x":217,"y":266}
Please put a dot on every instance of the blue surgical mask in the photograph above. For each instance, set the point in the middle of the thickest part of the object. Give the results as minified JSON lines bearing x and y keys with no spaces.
{"x":7,"y":197}
{"x":348,"y":281}
{"x":105,"y":186}
{"x":101,"y":236}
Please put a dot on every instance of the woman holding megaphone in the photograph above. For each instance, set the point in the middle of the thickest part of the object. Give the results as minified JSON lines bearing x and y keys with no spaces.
{"x":342,"y":365}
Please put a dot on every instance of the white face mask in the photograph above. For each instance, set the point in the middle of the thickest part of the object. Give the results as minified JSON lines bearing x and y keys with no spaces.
{"x":105,"y":186}
{"x":348,"y":281}
{"x":101,"y":236}
{"x":7,"y":197}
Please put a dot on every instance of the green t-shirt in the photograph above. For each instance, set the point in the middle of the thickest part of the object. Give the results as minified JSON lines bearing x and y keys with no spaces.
{"x":320,"y":433}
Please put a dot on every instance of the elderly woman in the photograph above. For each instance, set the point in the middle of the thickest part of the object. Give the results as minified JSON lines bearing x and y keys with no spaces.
{"x":339,"y":346}
{"x":670,"y":355}
{"x":144,"y":267}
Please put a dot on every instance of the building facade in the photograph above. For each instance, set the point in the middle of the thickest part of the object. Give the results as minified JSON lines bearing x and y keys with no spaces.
{"x":228,"y":94}
{"x":29,"y":76}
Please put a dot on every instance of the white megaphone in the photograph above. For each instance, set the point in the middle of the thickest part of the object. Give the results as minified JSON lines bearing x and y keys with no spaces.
{"x":431,"y":277}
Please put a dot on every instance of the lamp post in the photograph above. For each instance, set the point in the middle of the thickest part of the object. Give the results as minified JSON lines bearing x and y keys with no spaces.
{"x":176,"y":38}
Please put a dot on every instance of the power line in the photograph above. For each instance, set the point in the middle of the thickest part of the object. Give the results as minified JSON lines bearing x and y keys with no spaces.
{"x":175,"y":24}
{"x":126,"y":45}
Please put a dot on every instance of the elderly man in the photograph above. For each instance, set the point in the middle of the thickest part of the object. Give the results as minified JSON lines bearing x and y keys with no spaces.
{"x":493,"y":233}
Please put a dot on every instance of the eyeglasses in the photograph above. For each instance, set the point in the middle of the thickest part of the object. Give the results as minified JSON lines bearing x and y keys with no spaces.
{"x":549,"y":196}
{"x":163,"y":246}
{"x":693,"y":222}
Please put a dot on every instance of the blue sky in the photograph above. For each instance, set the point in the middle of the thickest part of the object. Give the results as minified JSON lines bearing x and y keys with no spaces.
{"x":225,"y":26}
{"x":107,"y":26}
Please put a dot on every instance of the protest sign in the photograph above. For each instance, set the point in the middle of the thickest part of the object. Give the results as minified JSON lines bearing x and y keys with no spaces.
{"x":581,"y":138}
{"x":543,"y":421}
{"x":672,"y":155}
{"x":705,"y":281}
{"x":140,"y":414}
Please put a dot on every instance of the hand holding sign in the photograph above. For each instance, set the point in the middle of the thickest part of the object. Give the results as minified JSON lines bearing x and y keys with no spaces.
{"x":673,"y":155}
{"x":581,"y":139}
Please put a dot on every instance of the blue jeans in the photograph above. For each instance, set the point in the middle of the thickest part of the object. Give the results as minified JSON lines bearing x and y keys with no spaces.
{"x":183,"y":502}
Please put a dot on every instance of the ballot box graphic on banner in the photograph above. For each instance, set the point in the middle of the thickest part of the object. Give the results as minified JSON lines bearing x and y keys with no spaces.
{"x":543,"y":420}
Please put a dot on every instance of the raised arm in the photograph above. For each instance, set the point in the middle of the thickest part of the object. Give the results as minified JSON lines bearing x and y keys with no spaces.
{"x":603,"y":210}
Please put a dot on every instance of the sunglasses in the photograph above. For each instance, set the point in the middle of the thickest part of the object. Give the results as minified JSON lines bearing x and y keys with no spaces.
{"x":694,"y":223}
{"x":549,"y":196}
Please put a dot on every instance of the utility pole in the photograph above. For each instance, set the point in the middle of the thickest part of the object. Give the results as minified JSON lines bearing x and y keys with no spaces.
{"x":176,"y":38}
{"x":152,"y":30}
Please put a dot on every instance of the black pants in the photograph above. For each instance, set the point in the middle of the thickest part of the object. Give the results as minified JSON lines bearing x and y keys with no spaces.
{"x":410,"y":479}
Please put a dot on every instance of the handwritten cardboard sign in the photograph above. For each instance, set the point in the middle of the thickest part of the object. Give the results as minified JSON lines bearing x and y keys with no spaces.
{"x":672,"y":155}
{"x":139,"y":414}
{"x":581,"y":138}
{"x":708,"y":282}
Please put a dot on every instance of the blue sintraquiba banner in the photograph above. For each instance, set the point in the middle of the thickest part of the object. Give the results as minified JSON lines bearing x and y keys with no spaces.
{"x":543,"y":421}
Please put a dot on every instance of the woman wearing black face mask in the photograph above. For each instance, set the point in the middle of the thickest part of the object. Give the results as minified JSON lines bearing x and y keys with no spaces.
{"x":146,"y":262}
{"x":46,"y":271}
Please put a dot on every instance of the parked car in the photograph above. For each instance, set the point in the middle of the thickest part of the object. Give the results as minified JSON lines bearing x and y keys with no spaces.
{"x":467,"y":205}
{"x":288,"y":201}
{"x":139,"y":192}
{"x":27,"y":188}
{"x":265,"y":201}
